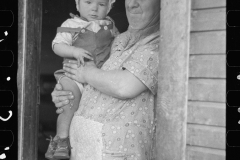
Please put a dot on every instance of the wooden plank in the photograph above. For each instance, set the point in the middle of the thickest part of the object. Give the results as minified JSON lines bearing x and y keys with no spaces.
{"x":199,"y":153}
{"x":172,"y":84}
{"x":207,"y":113}
{"x":209,"y":66}
{"x":29,"y":45}
{"x":209,"y":90}
{"x":209,"y":19}
{"x":208,"y":42}
{"x":206,"y":136}
{"x":200,"y":4}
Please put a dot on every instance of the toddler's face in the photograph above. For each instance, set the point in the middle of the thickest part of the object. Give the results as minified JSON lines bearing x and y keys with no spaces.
{"x":93,"y":9}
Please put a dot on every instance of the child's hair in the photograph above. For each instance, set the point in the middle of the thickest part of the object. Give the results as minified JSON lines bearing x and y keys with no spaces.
{"x":109,"y":5}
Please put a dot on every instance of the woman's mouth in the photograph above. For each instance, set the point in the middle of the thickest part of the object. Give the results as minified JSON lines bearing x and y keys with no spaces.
{"x":134,"y":10}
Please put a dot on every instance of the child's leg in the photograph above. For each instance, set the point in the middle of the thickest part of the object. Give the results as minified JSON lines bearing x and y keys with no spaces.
{"x":64,"y":119}
{"x":59,"y":146}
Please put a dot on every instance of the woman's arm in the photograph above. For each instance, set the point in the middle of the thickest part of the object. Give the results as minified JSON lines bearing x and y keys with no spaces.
{"x":120,"y":84}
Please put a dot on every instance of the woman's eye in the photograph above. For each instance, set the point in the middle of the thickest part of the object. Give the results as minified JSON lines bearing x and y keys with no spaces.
{"x":88,"y":2}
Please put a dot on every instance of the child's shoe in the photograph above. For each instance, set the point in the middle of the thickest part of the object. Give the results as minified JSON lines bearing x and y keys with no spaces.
{"x":62,"y":149}
{"x":51,"y":148}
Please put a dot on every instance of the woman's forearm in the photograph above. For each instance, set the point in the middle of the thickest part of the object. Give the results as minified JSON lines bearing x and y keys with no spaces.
{"x":63,"y":50}
{"x":117,"y":83}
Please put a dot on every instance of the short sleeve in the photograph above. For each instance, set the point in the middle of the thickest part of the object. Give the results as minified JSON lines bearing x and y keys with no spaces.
{"x":143,"y":63}
{"x":114,"y":30}
{"x":63,"y":37}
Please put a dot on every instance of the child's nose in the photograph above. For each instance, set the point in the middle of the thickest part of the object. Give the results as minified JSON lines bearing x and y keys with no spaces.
{"x":94,"y":7}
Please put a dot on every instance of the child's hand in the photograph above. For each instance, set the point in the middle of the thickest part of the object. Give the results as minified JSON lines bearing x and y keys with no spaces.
{"x":79,"y":54}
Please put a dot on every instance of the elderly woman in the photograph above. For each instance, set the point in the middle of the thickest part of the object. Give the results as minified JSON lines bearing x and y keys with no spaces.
{"x":115,"y":119}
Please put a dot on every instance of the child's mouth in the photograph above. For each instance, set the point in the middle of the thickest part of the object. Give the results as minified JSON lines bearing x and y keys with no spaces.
{"x":93,"y":16}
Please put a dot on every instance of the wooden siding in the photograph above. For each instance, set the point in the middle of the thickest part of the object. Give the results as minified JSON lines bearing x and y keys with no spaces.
{"x":206,"y":136}
{"x":207,"y":113}
{"x":207,"y":66}
{"x":207,"y":81}
{"x":213,"y":42}
{"x":200,"y":4}
{"x":200,"y":153}
{"x":208,"y":90}
{"x":209,"y":19}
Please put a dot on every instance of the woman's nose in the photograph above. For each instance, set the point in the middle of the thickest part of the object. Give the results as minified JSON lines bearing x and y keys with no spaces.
{"x":132,"y":3}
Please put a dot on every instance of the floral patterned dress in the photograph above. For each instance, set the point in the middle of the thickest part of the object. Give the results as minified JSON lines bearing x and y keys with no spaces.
{"x":106,"y":128}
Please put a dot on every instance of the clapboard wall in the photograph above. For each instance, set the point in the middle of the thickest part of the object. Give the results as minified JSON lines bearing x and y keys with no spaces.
{"x":206,"y":119}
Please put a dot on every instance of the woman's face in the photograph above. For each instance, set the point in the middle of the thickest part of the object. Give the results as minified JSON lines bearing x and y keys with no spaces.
{"x":141,"y":12}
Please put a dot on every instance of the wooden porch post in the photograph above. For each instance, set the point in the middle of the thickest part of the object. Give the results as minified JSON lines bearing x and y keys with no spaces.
{"x":29,"y":38}
{"x":173,"y":80}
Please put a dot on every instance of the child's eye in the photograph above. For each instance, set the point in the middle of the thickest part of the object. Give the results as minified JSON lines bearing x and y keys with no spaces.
{"x":88,"y":2}
{"x":102,"y":4}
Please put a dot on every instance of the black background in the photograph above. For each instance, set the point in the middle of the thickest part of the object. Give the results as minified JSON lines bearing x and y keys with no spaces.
{"x":8,"y":68}
{"x":233,"y":84}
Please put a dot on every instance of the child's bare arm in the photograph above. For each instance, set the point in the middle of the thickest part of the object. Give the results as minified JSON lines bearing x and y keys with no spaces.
{"x":63,"y":50}
{"x":66,"y":51}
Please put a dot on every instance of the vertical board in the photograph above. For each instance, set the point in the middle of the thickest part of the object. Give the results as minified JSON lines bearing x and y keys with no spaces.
{"x":171,"y":109}
{"x":29,"y":33}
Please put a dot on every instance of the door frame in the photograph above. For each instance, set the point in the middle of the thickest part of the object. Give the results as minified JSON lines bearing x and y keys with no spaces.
{"x":172,"y":97}
{"x":173,"y":78}
{"x":29,"y":49}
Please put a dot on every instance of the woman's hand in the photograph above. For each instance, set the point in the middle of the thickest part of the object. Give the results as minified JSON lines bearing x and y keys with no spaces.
{"x":77,"y":73}
{"x":61,"y":98}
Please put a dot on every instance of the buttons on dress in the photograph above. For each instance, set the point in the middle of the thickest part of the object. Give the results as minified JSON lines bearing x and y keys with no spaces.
{"x":83,"y":30}
{"x":105,"y":27}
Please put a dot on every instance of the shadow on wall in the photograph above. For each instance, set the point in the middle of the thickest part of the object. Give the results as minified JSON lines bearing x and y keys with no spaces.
{"x":54,"y":12}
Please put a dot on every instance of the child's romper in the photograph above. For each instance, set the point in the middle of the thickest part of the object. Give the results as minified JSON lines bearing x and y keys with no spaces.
{"x":98,"y":44}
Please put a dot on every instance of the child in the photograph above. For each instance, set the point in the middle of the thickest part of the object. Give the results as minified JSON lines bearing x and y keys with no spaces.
{"x":86,"y":37}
